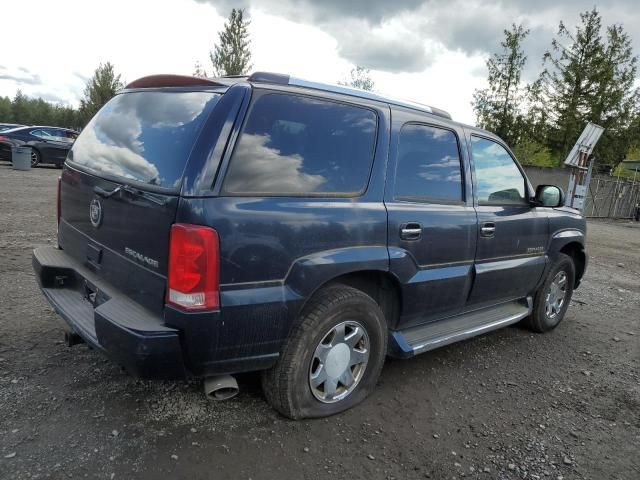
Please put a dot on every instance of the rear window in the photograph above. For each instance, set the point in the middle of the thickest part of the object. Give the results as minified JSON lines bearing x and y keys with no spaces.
{"x":144,"y":136}
{"x":294,"y":145}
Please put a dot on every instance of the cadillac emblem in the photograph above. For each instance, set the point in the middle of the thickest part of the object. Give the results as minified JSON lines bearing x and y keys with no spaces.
{"x":95,"y":212}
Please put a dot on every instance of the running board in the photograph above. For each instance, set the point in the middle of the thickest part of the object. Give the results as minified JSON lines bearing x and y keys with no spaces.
{"x":423,"y":338}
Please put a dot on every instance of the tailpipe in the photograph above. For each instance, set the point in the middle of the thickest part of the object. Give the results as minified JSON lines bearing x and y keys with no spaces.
{"x":220,"y":388}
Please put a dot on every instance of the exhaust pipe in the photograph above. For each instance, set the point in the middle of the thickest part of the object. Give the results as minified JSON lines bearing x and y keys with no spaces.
{"x":220,"y":388}
{"x":72,"y":338}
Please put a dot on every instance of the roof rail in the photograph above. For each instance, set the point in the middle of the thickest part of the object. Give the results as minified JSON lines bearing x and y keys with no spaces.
{"x":282,"y":79}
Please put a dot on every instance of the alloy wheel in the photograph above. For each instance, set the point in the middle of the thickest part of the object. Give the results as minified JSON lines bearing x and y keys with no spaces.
{"x":339,"y":362}
{"x":556,"y":294}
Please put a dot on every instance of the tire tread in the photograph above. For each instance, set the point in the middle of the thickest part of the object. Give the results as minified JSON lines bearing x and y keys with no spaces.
{"x":275,"y":381}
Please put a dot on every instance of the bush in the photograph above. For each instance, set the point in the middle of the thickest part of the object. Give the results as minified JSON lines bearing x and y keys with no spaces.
{"x":622,"y":172}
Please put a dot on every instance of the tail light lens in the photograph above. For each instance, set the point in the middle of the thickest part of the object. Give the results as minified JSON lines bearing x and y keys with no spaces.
{"x":194,"y":268}
{"x":58,"y":204}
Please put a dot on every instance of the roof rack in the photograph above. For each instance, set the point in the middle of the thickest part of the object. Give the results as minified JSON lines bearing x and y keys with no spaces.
{"x":282,"y":79}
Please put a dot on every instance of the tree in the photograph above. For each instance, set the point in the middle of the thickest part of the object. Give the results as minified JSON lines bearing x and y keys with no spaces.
{"x":589,"y":78}
{"x":360,"y":78}
{"x":6,"y":111}
{"x":497,"y":107}
{"x":99,"y":90}
{"x":36,"y":111}
{"x":21,"y":109}
{"x":616,"y":99}
{"x":198,"y":70}
{"x":231,"y":56}
{"x":569,"y":83}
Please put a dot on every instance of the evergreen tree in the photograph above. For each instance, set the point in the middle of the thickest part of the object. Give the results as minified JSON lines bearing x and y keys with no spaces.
{"x":6,"y":111}
{"x":231,"y":56}
{"x":36,"y":111}
{"x":22,"y":113}
{"x":569,"y":83}
{"x":616,"y":100}
{"x":360,"y":78}
{"x":99,"y":90}
{"x":497,"y":107}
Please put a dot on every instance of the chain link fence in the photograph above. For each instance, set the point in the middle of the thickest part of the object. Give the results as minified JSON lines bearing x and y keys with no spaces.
{"x":607,"y":197}
{"x":610,"y":197}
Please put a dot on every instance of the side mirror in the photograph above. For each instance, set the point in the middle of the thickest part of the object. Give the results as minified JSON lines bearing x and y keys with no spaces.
{"x":549,"y":196}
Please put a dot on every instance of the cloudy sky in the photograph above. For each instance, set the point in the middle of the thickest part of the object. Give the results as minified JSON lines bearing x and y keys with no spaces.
{"x":430,"y":51}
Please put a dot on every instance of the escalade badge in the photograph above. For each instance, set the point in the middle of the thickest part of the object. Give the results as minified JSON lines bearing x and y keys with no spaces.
{"x":95,"y":212}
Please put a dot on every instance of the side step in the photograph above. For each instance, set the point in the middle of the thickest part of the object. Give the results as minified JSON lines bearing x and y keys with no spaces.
{"x":427,"y":337}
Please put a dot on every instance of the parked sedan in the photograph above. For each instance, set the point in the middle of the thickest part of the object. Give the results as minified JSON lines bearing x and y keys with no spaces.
{"x":48,"y":144}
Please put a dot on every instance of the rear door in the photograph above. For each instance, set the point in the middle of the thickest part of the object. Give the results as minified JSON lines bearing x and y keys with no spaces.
{"x":432,"y":222}
{"x":120,"y":187}
{"x":512,"y":235}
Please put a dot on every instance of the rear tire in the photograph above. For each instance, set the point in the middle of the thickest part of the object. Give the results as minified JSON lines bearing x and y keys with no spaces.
{"x":317,"y":374}
{"x":35,"y":157}
{"x":552,"y":299}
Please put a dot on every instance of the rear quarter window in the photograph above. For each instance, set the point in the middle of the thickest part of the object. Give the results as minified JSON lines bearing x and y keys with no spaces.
{"x":295,"y":145}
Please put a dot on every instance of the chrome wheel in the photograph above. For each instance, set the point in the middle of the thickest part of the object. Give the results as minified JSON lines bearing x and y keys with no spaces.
{"x":339,"y":362}
{"x":34,"y":158}
{"x":556,"y":294}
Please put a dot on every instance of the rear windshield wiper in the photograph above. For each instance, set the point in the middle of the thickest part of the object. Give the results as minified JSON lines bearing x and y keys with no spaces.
{"x":132,"y":191}
{"x":106,"y":193}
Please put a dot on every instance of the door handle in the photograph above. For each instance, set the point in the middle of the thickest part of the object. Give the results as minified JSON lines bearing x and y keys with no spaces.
{"x":488,"y":229}
{"x":410,"y":231}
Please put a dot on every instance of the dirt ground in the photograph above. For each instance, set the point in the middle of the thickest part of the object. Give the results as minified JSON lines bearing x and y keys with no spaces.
{"x":510,"y":404}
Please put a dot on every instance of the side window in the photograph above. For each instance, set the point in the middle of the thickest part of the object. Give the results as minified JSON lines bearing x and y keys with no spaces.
{"x":428,"y":166}
{"x":41,"y":133}
{"x":498,"y":179}
{"x":300,"y":145}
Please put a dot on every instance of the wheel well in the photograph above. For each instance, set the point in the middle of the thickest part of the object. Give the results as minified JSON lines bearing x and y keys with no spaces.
{"x":381,"y":286}
{"x":576,"y":252}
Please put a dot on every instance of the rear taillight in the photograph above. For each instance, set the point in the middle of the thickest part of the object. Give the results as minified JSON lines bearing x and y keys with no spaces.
{"x":194,"y":268}
{"x":58,"y":205}
{"x":3,"y":138}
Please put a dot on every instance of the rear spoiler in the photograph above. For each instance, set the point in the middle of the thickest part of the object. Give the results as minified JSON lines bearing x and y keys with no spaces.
{"x":159,"y":81}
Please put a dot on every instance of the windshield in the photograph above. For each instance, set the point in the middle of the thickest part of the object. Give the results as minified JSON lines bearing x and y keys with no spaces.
{"x":144,"y":136}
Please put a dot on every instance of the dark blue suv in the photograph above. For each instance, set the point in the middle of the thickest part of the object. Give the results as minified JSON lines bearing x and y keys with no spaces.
{"x":208,"y":227}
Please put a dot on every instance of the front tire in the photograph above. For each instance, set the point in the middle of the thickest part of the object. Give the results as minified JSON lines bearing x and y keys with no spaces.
{"x":333,"y":357}
{"x":552,"y":299}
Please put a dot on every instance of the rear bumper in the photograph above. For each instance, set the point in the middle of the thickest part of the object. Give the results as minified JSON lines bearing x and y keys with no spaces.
{"x":126,"y":332}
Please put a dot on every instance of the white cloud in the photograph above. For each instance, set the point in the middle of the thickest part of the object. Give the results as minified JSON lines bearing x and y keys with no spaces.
{"x":429,"y":51}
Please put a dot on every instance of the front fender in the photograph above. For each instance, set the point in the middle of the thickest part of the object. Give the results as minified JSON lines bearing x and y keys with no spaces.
{"x":568,"y":237}
{"x":562,"y":238}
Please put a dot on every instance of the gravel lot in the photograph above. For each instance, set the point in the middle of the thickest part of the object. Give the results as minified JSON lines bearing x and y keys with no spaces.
{"x":510,"y":404}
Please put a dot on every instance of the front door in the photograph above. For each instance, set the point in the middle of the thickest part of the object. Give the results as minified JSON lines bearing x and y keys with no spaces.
{"x":512,"y":235}
{"x":432,"y":223}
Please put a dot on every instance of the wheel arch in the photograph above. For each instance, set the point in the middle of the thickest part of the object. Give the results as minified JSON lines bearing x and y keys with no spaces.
{"x":575,"y":250}
{"x":379,"y":284}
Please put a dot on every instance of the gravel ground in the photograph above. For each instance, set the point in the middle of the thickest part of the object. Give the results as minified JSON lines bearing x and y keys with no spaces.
{"x":509,"y":404}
